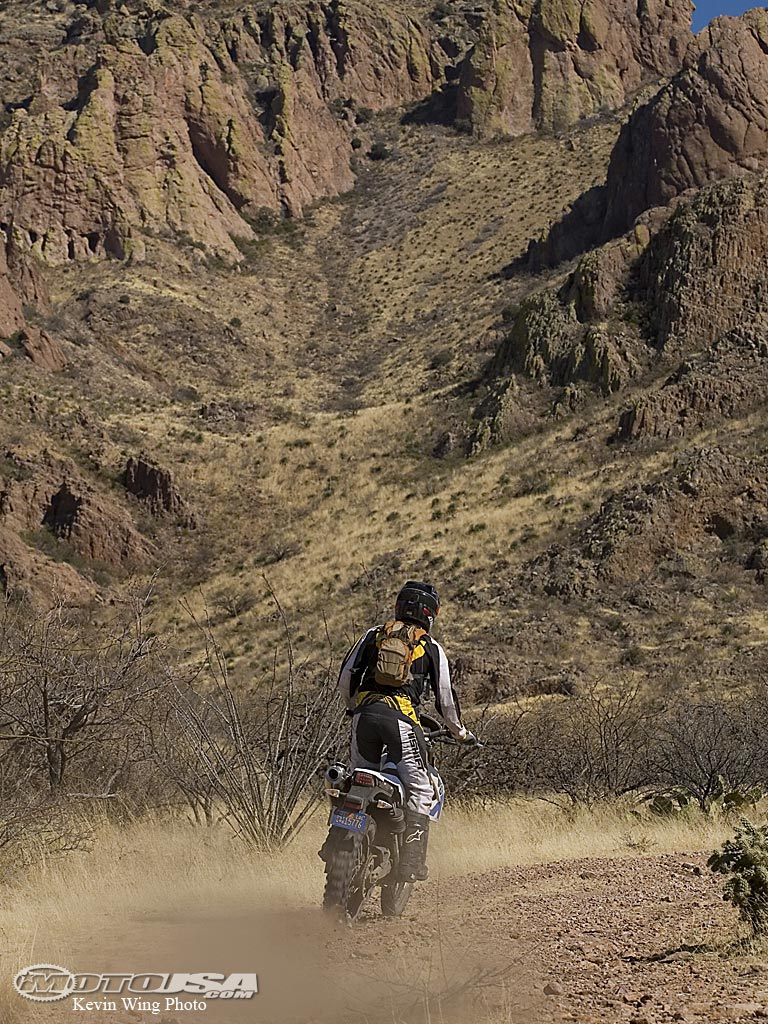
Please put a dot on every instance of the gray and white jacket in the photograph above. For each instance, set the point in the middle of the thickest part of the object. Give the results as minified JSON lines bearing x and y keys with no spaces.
{"x":429,"y":672}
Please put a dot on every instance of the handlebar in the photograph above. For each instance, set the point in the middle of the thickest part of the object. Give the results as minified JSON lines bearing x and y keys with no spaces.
{"x":444,"y":735}
{"x":433,"y":735}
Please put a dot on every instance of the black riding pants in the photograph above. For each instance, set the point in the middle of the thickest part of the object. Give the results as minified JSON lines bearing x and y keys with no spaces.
{"x":380,"y":734}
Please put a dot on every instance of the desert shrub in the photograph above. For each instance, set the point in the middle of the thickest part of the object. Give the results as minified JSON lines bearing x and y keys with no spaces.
{"x":113,"y":716}
{"x":587,"y":747}
{"x":538,"y":481}
{"x":340,"y":106}
{"x":610,"y":741}
{"x":379,"y":151}
{"x":68,"y":736}
{"x":744,"y":859}
{"x":62,"y":698}
{"x":634,"y":655}
{"x":441,"y":358}
{"x":725,"y":800}
{"x":260,"y":756}
{"x":442,"y":10}
{"x":363,"y":115}
{"x":698,"y":745}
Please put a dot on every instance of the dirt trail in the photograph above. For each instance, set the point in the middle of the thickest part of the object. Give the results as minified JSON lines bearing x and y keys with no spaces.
{"x":642,"y":940}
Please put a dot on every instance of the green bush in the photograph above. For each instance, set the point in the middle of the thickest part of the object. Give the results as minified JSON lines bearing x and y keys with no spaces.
{"x":745,"y":860}
{"x":442,"y":10}
{"x":379,"y":151}
{"x":441,"y":358}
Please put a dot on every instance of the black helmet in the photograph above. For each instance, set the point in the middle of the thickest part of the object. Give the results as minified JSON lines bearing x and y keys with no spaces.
{"x":418,"y":603}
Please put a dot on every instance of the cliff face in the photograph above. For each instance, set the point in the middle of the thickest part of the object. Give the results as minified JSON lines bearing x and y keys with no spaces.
{"x":21,"y":282}
{"x":11,"y":315}
{"x":709,"y":122}
{"x":190,"y":119}
{"x":645,"y":295}
{"x":152,"y":121}
{"x":545,"y":64}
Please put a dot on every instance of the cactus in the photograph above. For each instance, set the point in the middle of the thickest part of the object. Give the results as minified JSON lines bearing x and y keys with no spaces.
{"x":745,"y":860}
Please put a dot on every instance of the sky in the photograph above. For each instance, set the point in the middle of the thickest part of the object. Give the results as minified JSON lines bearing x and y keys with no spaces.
{"x":706,"y":10}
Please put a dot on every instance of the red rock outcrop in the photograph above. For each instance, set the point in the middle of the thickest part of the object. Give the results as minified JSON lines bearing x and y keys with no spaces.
{"x":20,"y":282}
{"x":27,"y":574}
{"x":550,"y":64}
{"x":705,"y":271}
{"x":730,"y":380}
{"x":709,"y":122}
{"x":650,"y":291}
{"x":154,"y":486}
{"x":11,"y":315}
{"x":50,"y":495}
{"x":710,"y":496}
{"x":42,"y":349}
{"x":184,"y":123}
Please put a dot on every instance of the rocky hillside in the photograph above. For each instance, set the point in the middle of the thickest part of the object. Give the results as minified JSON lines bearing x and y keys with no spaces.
{"x":344,"y":292}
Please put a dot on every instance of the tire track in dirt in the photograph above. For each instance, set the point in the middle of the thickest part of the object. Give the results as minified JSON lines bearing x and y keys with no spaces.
{"x":643,"y":940}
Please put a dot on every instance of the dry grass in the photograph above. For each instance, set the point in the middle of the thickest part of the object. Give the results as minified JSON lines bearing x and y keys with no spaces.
{"x":163,"y":866}
{"x":329,"y":476}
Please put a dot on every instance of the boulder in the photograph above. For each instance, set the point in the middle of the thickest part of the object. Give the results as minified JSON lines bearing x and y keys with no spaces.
{"x":42,"y":349}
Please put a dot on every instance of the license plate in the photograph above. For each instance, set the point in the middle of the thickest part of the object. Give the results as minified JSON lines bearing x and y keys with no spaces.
{"x":352,"y":820}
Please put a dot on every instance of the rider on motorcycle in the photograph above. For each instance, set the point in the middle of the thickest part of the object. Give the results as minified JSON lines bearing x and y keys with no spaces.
{"x":386,"y":717}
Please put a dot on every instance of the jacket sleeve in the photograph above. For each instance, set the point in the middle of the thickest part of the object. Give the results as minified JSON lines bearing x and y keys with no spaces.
{"x":349,"y":677}
{"x":446,"y":700}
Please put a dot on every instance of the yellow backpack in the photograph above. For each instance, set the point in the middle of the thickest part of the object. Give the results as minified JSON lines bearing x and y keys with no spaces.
{"x":397,"y":647}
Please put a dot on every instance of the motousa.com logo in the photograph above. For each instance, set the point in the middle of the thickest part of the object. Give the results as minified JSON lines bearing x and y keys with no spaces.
{"x":48,"y":983}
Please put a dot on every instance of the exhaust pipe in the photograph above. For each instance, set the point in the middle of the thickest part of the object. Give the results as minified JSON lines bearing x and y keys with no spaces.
{"x":335,"y":776}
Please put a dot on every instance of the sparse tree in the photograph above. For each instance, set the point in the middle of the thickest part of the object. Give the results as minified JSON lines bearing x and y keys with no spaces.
{"x":262,"y":755}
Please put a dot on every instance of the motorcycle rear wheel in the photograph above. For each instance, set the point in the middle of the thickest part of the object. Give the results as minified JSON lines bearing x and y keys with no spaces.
{"x":394,"y":898}
{"x":348,"y":860}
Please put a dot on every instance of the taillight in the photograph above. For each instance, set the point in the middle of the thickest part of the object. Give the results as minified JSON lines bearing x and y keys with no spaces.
{"x":363,"y":779}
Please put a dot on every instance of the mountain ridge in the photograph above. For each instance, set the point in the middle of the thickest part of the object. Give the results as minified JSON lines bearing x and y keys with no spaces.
{"x":418,"y":361}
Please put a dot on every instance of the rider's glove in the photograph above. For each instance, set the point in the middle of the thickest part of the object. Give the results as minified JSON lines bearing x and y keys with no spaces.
{"x":467,"y":737}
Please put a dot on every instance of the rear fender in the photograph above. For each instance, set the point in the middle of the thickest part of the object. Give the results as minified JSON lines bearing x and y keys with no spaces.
{"x":389,"y":772}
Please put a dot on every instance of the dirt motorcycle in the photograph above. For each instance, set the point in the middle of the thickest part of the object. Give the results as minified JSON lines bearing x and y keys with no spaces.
{"x":367,"y":825}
